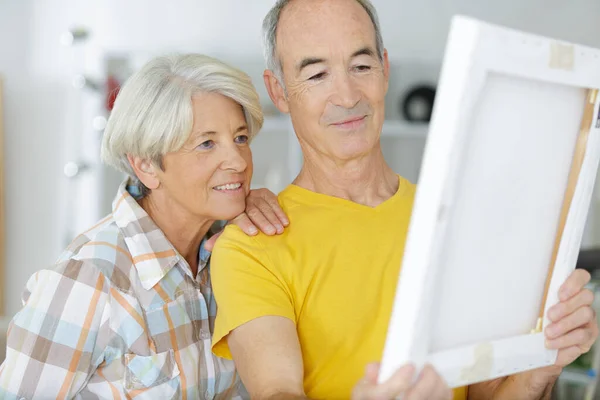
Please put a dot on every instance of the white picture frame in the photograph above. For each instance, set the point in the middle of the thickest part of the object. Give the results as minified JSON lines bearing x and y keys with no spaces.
{"x":505,"y":186}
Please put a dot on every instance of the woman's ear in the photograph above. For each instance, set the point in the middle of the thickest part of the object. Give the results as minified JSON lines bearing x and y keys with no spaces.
{"x":145,"y":171}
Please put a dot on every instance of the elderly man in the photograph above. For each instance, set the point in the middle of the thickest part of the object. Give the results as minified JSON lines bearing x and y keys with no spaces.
{"x":303,"y":313}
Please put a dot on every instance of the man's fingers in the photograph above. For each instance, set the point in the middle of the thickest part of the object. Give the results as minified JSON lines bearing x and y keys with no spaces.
{"x":371,"y":373}
{"x":579,"y":318}
{"x":578,"y":337}
{"x":425,"y":385}
{"x":444,"y":392}
{"x":584,"y":298}
{"x":396,"y":385}
{"x":367,"y":383}
{"x":574,"y":284}
{"x":567,"y":356}
{"x":429,"y":386}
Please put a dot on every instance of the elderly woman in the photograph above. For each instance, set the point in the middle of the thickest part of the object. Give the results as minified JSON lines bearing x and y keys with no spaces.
{"x":128,"y":311}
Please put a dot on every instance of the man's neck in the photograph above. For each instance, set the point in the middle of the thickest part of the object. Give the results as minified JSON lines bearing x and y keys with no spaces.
{"x":367,"y":180}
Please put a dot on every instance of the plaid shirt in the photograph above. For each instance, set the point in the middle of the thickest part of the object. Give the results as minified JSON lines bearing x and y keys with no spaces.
{"x":118,"y":316}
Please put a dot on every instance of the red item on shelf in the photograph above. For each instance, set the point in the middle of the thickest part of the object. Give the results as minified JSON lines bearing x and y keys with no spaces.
{"x":112,"y":90}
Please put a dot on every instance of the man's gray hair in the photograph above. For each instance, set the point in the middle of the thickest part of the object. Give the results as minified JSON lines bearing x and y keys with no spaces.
{"x":271,"y":22}
{"x":153,"y":113}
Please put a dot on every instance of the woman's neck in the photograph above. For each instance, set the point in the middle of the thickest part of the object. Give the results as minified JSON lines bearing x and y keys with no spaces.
{"x":184,"y":230}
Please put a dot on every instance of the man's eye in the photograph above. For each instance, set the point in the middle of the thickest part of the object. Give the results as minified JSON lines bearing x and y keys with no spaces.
{"x":318,"y":76}
{"x":363,"y":68}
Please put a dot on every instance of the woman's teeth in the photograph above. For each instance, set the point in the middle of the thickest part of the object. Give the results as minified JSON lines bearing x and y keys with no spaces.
{"x":229,"y":186}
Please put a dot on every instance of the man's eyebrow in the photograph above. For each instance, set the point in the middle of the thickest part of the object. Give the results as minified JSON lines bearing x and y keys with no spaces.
{"x":365,"y":51}
{"x":309,"y":61}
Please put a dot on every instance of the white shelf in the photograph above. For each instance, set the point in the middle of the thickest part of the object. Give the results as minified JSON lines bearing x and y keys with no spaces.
{"x":279,"y":124}
{"x":399,"y":129}
{"x":283,"y":125}
{"x":573,"y":375}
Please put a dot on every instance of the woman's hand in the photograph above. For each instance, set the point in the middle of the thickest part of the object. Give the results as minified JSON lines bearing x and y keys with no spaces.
{"x":263,"y":213}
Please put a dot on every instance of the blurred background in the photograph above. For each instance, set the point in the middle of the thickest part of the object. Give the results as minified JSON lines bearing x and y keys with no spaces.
{"x":62,"y":61}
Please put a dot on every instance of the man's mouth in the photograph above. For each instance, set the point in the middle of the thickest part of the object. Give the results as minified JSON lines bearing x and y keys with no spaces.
{"x":350,"y":123}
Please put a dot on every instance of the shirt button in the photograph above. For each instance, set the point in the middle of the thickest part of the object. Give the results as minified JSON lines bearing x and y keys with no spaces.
{"x":204,"y":335}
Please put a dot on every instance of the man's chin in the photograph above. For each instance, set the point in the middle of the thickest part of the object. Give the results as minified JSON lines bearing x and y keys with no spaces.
{"x":353,"y":152}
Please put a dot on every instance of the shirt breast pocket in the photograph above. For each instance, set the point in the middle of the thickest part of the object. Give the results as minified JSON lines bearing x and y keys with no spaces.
{"x":152,"y":377}
{"x":185,"y":318}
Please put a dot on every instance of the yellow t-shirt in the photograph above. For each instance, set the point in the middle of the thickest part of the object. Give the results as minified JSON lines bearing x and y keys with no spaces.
{"x":333,"y":272}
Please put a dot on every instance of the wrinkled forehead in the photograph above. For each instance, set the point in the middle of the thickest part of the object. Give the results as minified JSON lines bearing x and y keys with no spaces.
{"x":323,"y":29}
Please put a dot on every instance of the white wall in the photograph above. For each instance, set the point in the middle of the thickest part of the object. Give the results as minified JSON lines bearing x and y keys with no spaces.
{"x":417,"y":29}
{"x":34,"y":96}
{"x":37,"y":71}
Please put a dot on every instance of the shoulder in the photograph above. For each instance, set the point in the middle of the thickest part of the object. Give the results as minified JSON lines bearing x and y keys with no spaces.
{"x":234,"y":239}
{"x":291,"y":198}
{"x":405,"y":196}
{"x":407,"y":188}
{"x":237,"y":254}
{"x":104,"y":231}
{"x":70,"y":281}
{"x":101,"y":250}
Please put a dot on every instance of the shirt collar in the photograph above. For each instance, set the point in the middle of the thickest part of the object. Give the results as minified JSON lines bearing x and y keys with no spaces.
{"x":152,"y":254}
{"x":204,"y":254}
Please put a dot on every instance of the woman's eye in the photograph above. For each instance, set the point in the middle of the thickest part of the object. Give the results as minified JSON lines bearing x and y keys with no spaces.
{"x":242,"y":139}
{"x":209,"y":144}
{"x":317,"y":77}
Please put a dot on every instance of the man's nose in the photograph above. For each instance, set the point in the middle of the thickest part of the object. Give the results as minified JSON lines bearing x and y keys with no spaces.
{"x":346,"y":93}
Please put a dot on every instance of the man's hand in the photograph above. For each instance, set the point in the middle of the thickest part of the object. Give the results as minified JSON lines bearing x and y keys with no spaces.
{"x":574,"y":329}
{"x":262,"y":211}
{"x":428,"y":386}
{"x":572,"y":332}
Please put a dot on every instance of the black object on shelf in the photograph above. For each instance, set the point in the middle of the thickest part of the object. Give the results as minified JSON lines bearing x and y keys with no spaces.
{"x":417,"y":105}
{"x":589,"y":260}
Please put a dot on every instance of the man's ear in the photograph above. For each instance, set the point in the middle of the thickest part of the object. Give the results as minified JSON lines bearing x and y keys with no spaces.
{"x":386,"y":69}
{"x":145,"y":170}
{"x":276,"y":91}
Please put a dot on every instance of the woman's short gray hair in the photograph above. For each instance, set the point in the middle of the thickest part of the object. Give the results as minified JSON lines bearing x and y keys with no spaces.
{"x":271,"y":22}
{"x":153,"y":113}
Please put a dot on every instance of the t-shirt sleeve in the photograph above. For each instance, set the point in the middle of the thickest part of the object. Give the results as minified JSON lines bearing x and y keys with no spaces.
{"x":246,"y":285}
